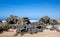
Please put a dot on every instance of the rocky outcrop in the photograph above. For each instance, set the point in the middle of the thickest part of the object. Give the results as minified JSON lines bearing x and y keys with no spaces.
{"x":49,"y":21}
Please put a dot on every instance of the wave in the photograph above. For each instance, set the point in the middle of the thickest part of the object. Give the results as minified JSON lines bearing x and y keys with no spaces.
{"x":33,"y":20}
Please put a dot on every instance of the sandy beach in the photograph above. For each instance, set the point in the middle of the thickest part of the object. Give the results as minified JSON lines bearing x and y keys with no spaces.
{"x":46,"y":33}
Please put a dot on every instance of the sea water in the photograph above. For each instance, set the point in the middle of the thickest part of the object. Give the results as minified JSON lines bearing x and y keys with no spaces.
{"x":30,"y":20}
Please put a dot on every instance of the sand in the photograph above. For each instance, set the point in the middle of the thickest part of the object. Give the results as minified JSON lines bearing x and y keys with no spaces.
{"x":46,"y":33}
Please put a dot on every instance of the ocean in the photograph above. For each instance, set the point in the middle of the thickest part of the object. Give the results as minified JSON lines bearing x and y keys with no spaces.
{"x":30,"y":20}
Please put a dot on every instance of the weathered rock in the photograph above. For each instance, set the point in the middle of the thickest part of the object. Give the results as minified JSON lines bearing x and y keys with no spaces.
{"x":30,"y":28}
{"x":3,"y":27}
{"x":21,"y":30}
{"x":12,"y":19}
{"x":26,"y":20}
{"x":0,"y":21}
{"x":23,"y":25}
{"x":45,"y":19}
{"x":53,"y":22}
{"x":55,"y":28}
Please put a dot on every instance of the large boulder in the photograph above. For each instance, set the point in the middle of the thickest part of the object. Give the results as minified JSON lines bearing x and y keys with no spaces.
{"x":3,"y":27}
{"x":21,"y":30}
{"x":45,"y":19}
{"x":26,"y":20}
{"x":12,"y":19}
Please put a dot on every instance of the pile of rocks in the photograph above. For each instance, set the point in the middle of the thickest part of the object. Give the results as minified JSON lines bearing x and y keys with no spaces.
{"x":23,"y":25}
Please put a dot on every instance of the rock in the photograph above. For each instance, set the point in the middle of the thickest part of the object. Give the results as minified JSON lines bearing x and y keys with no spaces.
{"x":55,"y":28}
{"x":0,"y":21}
{"x":58,"y":30}
{"x":12,"y":22}
{"x":12,"y":19}
{"x":45,"y":19}
{"x":3,"y":27}
{"x":26,"y":20}
{"x":21,"y":30}
{"x":53,"y":22}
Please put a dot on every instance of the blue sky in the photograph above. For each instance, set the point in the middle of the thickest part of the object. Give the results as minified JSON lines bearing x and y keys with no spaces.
{"x":30,"y":8}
